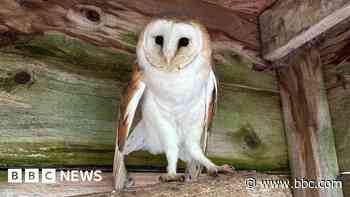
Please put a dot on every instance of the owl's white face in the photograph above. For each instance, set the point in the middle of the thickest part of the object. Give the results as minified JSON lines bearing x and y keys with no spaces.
{"x":169,"y":45}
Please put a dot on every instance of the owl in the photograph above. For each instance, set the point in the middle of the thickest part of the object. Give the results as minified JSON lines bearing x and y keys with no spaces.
{"x":176,"y":88}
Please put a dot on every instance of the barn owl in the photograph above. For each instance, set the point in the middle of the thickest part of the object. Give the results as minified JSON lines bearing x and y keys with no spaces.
{"x":174,"y":78}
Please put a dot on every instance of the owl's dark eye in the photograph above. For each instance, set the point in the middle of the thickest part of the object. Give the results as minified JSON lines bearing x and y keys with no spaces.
{"x":183,"y":42}
{"x":159,"y":40}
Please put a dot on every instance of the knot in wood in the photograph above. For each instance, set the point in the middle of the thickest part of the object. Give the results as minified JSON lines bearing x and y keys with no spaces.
{"x":86,"y":16}
{"x":92,"y":15}
{"x":22,"y":77}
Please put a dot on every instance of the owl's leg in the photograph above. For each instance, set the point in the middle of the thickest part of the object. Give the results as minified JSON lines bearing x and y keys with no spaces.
{"x":193,"y":170}
{"x":172,"y":157}
{"x":198,"y":155}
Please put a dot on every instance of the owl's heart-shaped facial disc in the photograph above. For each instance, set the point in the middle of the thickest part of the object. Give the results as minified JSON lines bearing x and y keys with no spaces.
{"x":171,"y":45}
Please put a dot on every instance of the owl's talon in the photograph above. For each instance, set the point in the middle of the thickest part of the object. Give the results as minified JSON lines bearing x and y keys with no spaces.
{"x":172,"y":178}
{"x":224,"y":169}
{"x":213,"y":173}
{"x":189,"y":178}
{"x":130,"y":182}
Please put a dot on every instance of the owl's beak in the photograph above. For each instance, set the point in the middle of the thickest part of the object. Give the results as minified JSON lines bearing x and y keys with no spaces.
{"x":170,"y":48}
{"x":168,"y":53}
{"x":168,"y":60}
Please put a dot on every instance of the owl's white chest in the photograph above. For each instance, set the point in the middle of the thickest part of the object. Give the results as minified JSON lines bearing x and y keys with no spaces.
{"x":177,"y":90}
{"x":173,"y":107}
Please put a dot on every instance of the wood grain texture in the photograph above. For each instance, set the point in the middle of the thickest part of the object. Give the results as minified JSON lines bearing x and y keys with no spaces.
{"x":148,"y":185}
{"x":288,"y":25}
{"x":309,"y":132}
{"x":336,"y":43}
{"x":100,"y":22}
{"x":65,"y":114}
{"x":251,"y":7}
{"x":338,"y":91}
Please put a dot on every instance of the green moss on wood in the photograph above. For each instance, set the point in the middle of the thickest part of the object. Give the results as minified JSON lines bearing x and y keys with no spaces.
{"x":339,"y":104}
{"x":129,"y":38}
{"x":76,"y":56}
{"x":246,"y":116}
{"x":3,"y":176}
{"x":144,"y":159}
{"x":7,"y":82}
{"x":258,"y":164}
{"x":245,"y":77}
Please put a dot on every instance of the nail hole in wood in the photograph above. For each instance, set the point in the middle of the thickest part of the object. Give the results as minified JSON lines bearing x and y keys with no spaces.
{"x":22,"y":77}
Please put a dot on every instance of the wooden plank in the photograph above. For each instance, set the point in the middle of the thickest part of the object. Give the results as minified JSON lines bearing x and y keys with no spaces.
{"x":147,"y":184}
{"x":312,"y":153}
{"x":243,"y":29}
{"x":66,"y":188}
{"x":65,"y":113}
{"x":289,"y":25}
{"x":19,"y":18}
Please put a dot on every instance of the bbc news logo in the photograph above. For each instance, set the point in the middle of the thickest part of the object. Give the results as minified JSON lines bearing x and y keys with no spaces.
{"x":49,"y":176}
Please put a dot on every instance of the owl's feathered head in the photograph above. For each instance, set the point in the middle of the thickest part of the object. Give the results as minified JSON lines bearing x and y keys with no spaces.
{"x":172,"y":44}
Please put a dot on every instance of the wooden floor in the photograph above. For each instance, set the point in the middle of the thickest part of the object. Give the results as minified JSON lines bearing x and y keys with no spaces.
{"x":147,"y":184}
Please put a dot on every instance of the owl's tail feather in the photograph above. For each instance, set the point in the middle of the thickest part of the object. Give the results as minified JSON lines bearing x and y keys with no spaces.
{"x":119,"y":171}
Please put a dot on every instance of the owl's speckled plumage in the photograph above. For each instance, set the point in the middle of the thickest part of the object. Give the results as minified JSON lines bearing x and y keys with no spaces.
{"x":175,"y":79}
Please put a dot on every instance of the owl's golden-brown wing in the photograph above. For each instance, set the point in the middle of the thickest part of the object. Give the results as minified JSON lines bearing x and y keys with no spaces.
{"x":128,"y":106}
{"x":211,"y":100}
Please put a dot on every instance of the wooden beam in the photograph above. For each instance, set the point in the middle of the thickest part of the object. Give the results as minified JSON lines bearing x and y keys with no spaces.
{"x":289,"y":25}
{"x":312,"y":153}
{"x":34,"y":16}
{"x":234,"y":24}
{"x":335,"y":45}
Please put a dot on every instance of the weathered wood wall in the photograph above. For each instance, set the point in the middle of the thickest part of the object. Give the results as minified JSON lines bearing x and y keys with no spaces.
{"x":59,"y":99}
{"x":61,"y":76}
{"x":338,"y":90}
{"x":338,"y":87}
